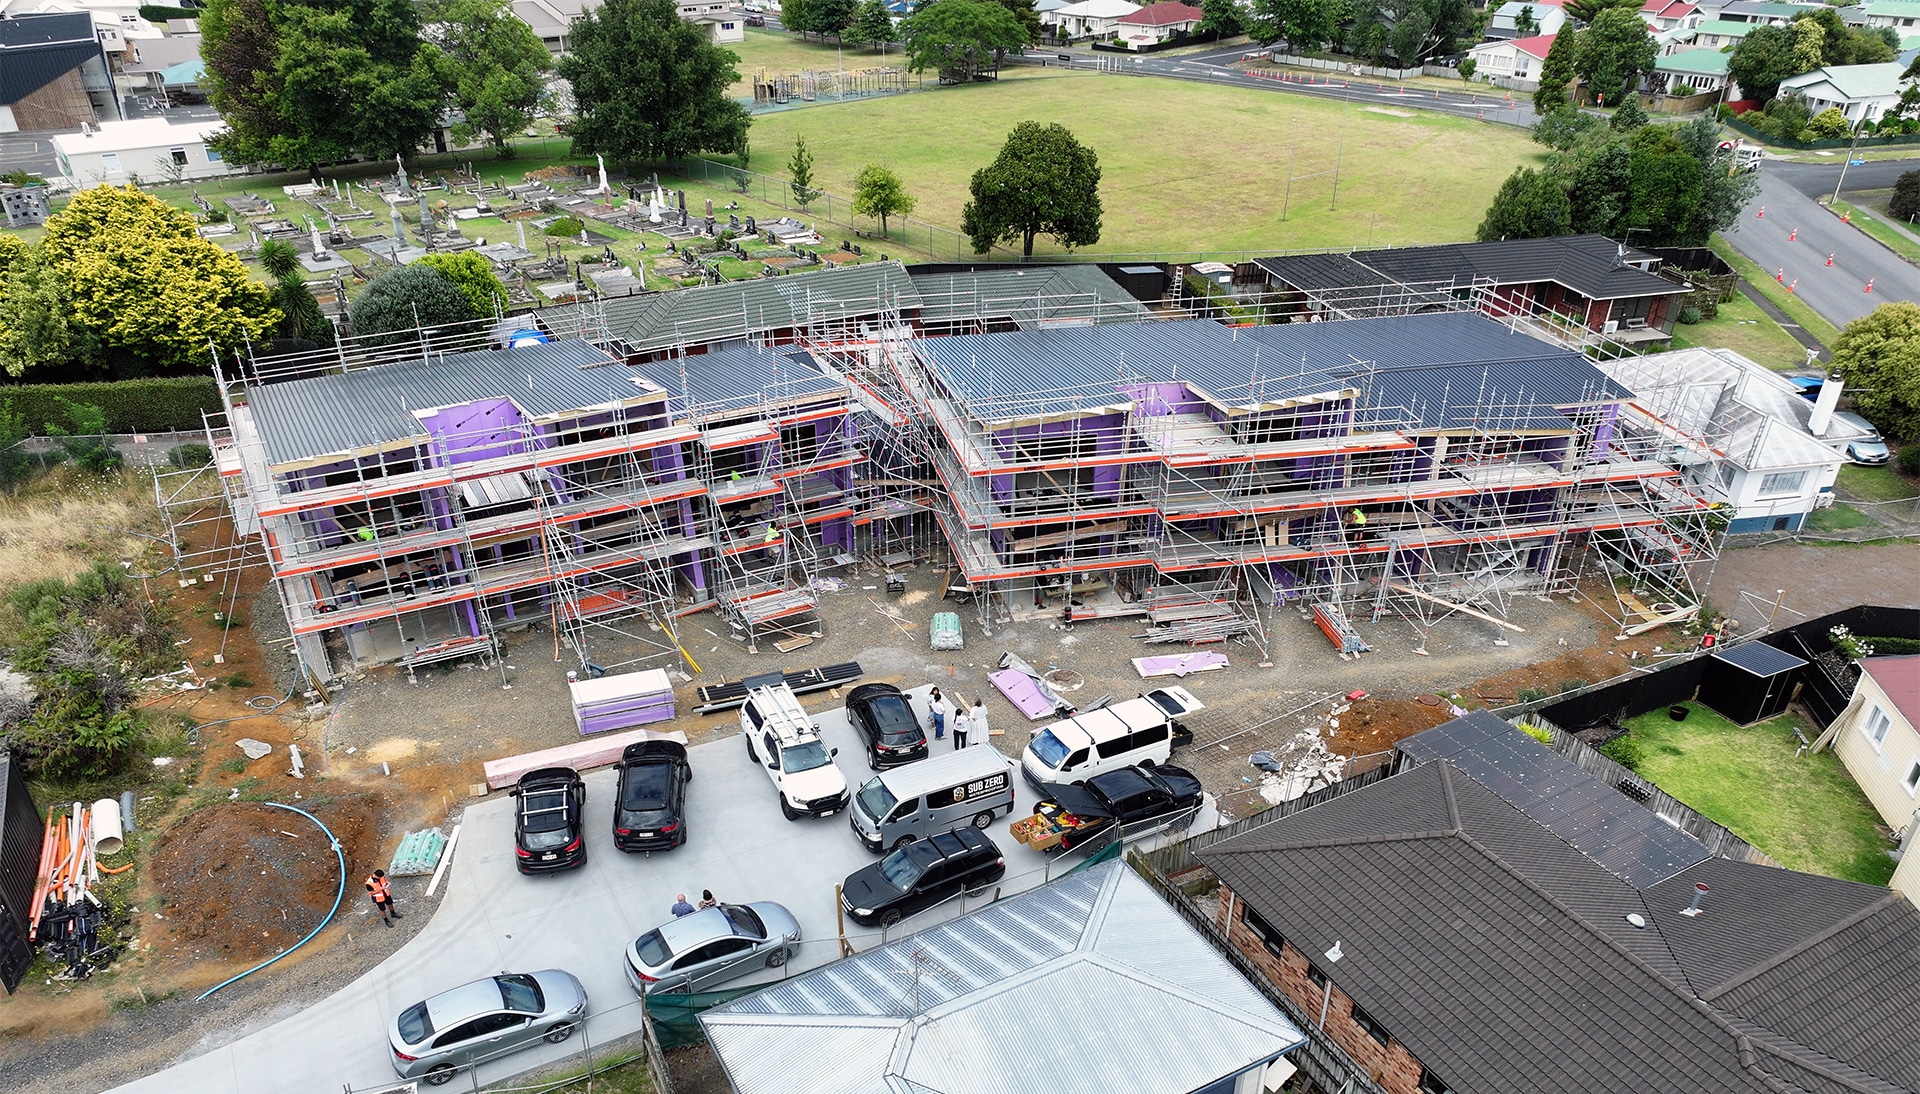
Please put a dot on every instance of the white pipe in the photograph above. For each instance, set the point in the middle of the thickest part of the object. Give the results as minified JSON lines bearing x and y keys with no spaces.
{"x":107,"y":835}
{"x":446,"y":856}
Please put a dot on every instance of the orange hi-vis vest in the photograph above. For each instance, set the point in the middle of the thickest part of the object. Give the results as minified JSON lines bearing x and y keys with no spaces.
{"x":378,"y":887}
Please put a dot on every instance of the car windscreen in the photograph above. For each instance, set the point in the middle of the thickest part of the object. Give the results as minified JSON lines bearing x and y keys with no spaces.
{"x":1049,"y":749}
{"x":745,"y":921}
{"x":520,"y":992}
{"x":804,"y":757}
{"x":415,"y":1025}
{"x":876,"y":800}
{"x":645,"y":786}
{"x":653,"y":950}
{"x":904,"y":867}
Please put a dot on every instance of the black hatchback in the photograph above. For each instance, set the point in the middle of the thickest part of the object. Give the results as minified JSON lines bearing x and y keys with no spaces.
{"x":548,"y":829}
{"x":922,"y":874}
{"x":884,"y":719}
{"x":650,"y":810}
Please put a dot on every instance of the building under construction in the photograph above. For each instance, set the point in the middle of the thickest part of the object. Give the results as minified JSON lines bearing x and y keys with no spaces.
{"x":1069,"y":445}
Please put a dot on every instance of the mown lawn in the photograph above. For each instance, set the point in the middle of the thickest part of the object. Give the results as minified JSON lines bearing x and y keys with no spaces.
{"x":1804,"y":811}
{"x":1872,"y":219}
{"x":1796,"y":308}
{"x":1742,"y":327}
{"x":1875,"y":483}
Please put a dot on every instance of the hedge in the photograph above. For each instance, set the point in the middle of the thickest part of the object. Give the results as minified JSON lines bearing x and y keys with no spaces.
{"x":172,"y":404}
{"x":156,"y":13}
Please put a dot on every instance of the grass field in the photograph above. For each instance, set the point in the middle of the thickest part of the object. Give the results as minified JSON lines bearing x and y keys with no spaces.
{"x":1742,"y":327}
{"x":1796,"y":308}
{"x":1871,"y":217}
{"x":779,"y":54}
{"x":1805,"y":812}
{"x":1875,"y":483}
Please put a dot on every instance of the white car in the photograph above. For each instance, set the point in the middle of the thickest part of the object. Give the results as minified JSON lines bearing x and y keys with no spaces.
{"x":783,"y":741}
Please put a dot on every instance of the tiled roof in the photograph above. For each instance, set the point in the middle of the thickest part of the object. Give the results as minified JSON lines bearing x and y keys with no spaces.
{"x":1163,"y":14}
{"x":1899,"y":677}
{"x":1592,"y":265}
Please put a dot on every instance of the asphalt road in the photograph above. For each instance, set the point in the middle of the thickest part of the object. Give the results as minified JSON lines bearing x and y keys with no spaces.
{"x":1818,"y":179}
{"x":1796,"y":235}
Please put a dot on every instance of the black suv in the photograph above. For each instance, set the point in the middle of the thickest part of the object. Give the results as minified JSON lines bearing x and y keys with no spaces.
{"x":1134,"y":797}
{"x":882,"y":716}
{"x":922,"y":874}
{"x":650,"y":807}
{"x":548,"y":833}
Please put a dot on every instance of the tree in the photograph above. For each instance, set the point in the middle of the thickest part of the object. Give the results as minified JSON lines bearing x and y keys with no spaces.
{"x":795,"y":16}
{"x":1600,"y":190}
{"x":1629,"y":117}
{"x":237,"y":43}
{"x":1566,"y":128}
{"x":1879,"y":357}
{"x":1043,"y":182}
{"x":1530,"y":204}
{"x":1723,"y":191}
{"x":826,"y":17}
{"x":34,"y":329}
{"x":403,"y":300}
{"x":1906,"y":196}
{"x":300,"y":314}
{"x":872,"y":24}
{"x":1523,"y":23}
{"x":1613,"y":52}
{"x":1761,"y":60}
{"x":473,"y":275}
{"x":1302,"y":24}
{"x":1586,"y":11}
{"x":1556,"y":73}
{"x":500,"y":70}
{"x":800,"y":173}
{"x":878,"y":192}
{"x":1468,"y":66}
{"x":648,"y":85}
{"x":1221,"y":17}
{"x":1666,"y":187}
{"x":960,"y":39}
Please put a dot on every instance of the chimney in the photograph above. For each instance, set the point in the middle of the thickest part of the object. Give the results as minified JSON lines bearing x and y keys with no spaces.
{"x":1823,"y":407}
{"x":1699,"y":891}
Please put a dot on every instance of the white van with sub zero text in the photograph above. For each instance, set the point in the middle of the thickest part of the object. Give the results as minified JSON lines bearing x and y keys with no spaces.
{"x":1137,"y":731}
{"x":937,"y":794}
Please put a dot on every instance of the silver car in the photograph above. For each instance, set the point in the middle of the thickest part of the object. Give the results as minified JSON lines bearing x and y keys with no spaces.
{"x":697,"y":951}
{"x":476,"y":1022}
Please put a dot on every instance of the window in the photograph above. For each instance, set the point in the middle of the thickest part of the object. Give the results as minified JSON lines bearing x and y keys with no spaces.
{"x":1782,"y":482}
{"x":179,"y":156}
{"x":213,"y":156}
{"x":1269,"y":938}
{"x":110,"y":161}
{"x":1374,"y":1029}
{"x":1432,"y":1084}
{"x":1912,"y":781}
{"x":1875,"y":727}
{"x":1115,"y":746}
{"x":1315,"y":977}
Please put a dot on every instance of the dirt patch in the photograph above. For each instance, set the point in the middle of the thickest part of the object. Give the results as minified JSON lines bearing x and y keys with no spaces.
{"x":246,"y":880}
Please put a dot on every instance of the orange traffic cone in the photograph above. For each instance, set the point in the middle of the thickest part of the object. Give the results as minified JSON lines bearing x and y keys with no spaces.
{"x":1762,"y":214}
{"x":1796,"y":281}
{"x":1793,"y":235}
{"x":1781,"y":275}
{"x":1829,"y":258}
{"x":1846,"y":218}
{"x":1869,"y":287}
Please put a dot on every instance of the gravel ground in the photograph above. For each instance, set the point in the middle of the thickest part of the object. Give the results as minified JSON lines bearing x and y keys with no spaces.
{"x":1817,"y":579}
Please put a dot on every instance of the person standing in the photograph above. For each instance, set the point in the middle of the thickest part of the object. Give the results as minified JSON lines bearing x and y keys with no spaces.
{"x":961,"y":723}
{"x":382,"y":894}
{"x":707,"y":900}
{"x":681,"y":907}
{"x":938,"y":708}
{"x":978,"y":721}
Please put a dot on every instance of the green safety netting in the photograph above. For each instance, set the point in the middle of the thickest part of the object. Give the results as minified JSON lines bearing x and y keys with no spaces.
{"x":676,"y":1015}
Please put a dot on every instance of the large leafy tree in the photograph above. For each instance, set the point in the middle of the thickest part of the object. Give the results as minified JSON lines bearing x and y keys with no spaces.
{"x":36,"y":332}
{"x":242,"y":57}
{"x":648,"y":85}
{"x":1044,"y":182}
{"x":1666,"y":188}
{"x":1530,"y":204}
{"x":878,"y":192}
{"x":1222,"y":17}
{"x":1761,"y":60}
{"x":1879,"y":357}
{"x":499,"y":70}
{"x":872,"y":24}
{"x":1556,"y":74}
{"x":1614,"y":52}
{"x":1723,"y":191}
{"x":401,"y":301}
{"x":830,"y":16}
{"x":1586,"y":11}
{"x":474,"y":276}
{"x":960,"y":39}
{"x":1302,"y":24}
{"x":1600,"y":189}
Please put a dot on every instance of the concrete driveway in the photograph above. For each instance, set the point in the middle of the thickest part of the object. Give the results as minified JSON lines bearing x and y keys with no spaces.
{"x":1838,"y":292}
{"x":490,"y":919}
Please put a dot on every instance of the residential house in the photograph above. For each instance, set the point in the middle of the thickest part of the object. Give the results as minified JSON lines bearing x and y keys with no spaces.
{"x":157,"y":66}
{"x":1763,"y":13}
{"x":1515,"y":58}
{"x":1901,"y":15}
{"x":1720,"y":34}
{"x":1542,"y":18}
{"x":1668,"y":15}
{"x":1492,"y":918}
{"x":1156,"y":23}
{"x":1092,"y":18}
{"x":1091,"y":983}
{"x":53,"y":73}
{"x":1861,"y":92}
{"x":723,"y":19}
{"x":1878,"y":740}
{"x":1698,"y":69}
{"x":552,"y":20}
{"x":148,"y":148}
{"x":1740,"y":428}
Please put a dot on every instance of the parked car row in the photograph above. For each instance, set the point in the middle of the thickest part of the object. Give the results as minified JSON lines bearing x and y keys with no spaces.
{"x":650,"y":814}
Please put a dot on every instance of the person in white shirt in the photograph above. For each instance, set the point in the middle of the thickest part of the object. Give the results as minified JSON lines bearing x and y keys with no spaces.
{"x":939,"y":708}
{"x":977,"y":721}
{"x":962,"y":722}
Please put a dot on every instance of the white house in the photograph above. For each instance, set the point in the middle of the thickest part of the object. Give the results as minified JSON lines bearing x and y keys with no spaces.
{"x":1158,"y":23}
{"x":724,"y":21}
{"x":1699,"y":69}
{"x":1740,"y":430}
{"x":1877,"y":738}
{"x":149,"y":148}
{"x":552,"y":20}
{"x":1092,"y":18}
{"x":1666,"y":15}
{"x":1861,"y":92}
{"x":1543,"y":19}
{"x":1901,"y":15}
{"x":1517,"y":58}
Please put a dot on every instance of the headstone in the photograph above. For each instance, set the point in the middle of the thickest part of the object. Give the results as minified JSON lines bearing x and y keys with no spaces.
{"x":709,"y":222}
{"x":683,"y":215}
{"x":426,"y":218}
{"x":709,"y":208}
{"x":319,"y":245}
{"x":602,"y":160}
{"x":751,"y":230}
{"x":683,"y":199}
{"x":400,"y":175}
{"x":399,"y":232}
{"x":521,"y":226}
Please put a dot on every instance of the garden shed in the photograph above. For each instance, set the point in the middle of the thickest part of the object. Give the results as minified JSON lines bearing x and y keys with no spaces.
{"x":1750,"y":682}
{"x":21,"y":834}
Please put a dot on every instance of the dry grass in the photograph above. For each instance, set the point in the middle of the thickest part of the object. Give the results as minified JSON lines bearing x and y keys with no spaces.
{"x":63,"y":522}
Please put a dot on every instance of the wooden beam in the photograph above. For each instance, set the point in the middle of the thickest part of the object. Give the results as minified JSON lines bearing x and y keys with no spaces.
{"x":1410,"y":590}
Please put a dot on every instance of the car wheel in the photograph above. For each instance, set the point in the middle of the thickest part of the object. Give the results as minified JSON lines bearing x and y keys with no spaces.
{"x":982,"y":820}
{"x":873,"y":762}
{"x":984,"y":886}
{"x":1146,"y":763}
{"x":439,"y":1075}
{"x":683,"y":836}
{"x":903,"y":841}
{"x":787,"y":810}
{"x":890,"y":917}
{"x":751,"y":754}
{"x":558,"y":1033}
{"x":777,"y":958}
{"x":689,"y":771}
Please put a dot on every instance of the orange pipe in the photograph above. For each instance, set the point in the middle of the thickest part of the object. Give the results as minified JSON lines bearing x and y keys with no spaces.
{"x":44,"y":879}
{"x":116,"y":869}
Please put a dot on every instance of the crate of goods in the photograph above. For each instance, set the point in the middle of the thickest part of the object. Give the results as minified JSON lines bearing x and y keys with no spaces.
{"x":946,"y":631}
{"x":1036,"y":832}
{"x":622,"y":702}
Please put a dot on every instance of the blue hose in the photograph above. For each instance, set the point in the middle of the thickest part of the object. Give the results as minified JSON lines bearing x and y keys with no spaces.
{"x":337,"y":897}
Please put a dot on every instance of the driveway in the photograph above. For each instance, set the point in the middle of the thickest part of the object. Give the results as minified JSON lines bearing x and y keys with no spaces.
{"x":491,"y":919}
{"x":1838,"y":292}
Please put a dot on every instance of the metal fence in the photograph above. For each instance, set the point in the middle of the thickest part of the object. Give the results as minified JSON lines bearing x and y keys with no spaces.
{"x":1182,"y":856}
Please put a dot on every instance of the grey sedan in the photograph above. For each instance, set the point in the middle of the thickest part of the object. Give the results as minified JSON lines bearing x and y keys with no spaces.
{"x":476,"y":1022}
{"x":712,"y":945}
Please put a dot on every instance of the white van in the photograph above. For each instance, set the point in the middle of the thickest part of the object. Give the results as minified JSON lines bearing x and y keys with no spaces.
{"x":1137,"y":731}
{"x":938,"y":794}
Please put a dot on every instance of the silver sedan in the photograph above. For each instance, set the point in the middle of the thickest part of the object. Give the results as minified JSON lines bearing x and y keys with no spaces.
{"x":476,"y":1022}
{"x":712,"y":945}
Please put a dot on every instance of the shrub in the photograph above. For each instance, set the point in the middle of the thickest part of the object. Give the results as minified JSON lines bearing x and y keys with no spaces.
{"x":1906,"y":196}
{"x":188,"y":455}
{"x":164,"y":405}
{"x":1538,"y":733}
{"x":1829,"y":124}
{"x":398,"y":301}
{"x":566,"y":226}
{"x":1623,"y":750}
{"x":1909,"y":461}
{"x":1681,"y":91}
{"x":1689,"y":315}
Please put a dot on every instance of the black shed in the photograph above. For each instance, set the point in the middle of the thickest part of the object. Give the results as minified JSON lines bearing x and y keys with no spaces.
{"x":22,"y":830}
{"x":1749,"y":682}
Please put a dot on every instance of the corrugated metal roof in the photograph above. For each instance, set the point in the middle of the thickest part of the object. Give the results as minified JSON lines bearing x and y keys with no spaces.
{"x":739,"y":376}
{"x":1029,"y":296}
{"x":1590,"y":264}
{"x":952,"y":1008}
{"x":1758,"y":658}
{"x":1748,"y":410}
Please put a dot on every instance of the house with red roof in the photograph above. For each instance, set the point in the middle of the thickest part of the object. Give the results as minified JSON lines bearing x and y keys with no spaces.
{"x":1517,"y":58}
{"x":1665,"y":15}
{"x":1878,"y":740}
{"x":1156,"y":23}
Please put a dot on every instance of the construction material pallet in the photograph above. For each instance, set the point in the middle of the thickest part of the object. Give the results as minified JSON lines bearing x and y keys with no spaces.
{"x":715,"y":698}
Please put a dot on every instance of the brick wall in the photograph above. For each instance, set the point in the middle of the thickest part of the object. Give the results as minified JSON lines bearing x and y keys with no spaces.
{"x":1390,"y":1065}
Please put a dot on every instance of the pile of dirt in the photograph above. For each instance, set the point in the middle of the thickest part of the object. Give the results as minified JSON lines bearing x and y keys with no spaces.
{"x":243,"y":880}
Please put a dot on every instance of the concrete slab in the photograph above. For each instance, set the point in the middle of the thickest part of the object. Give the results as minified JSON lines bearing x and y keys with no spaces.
{"x":492,"y":919}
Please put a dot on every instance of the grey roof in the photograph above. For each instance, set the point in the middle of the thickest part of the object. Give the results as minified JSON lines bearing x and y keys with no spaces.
{"x":1028,"y":296}
{"x":954,"y":1008}
{"x":1590,"y":264}
{"x":37,"y":49}
{"x":1733,"y":405}
{"x":1758,"y":658}
{"x":1627,"y":840}
{"x":1500,"y":957}
{"x":738,"y":377}
{"x":1444,"y":368}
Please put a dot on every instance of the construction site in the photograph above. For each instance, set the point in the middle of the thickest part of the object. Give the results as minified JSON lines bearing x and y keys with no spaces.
{"x":1071,"y":443}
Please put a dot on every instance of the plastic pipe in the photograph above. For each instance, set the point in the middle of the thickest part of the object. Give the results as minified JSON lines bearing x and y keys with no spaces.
{"x":338,"y":894}
{"x":107,"y":837}
{"x":126,"y":812}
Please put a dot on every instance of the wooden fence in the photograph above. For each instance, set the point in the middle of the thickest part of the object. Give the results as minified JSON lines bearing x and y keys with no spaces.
{"x":1180,"y":857}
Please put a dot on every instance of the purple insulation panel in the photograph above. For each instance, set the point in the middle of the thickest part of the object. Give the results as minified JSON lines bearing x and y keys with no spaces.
{"x":1022,"y":692}
{"x":478,"y":430}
